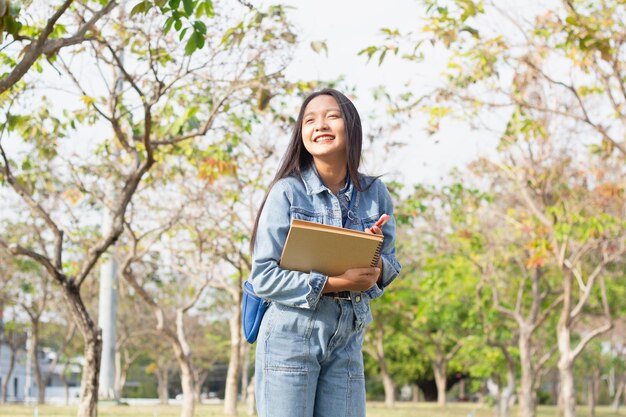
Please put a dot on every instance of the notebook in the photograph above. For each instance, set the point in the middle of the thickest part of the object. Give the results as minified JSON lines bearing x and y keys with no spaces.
{"x":328,"y":249}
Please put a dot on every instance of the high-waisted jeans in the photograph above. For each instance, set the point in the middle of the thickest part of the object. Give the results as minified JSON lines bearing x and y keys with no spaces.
{"x":309,"y":363}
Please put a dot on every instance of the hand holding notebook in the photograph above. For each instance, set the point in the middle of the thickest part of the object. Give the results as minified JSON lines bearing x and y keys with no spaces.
{"x":329,"y":250}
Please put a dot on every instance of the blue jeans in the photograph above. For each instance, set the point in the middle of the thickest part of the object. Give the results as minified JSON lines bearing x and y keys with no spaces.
{"x":309,"y":362}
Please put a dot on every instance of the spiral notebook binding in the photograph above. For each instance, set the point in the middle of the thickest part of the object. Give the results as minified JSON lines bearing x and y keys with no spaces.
{"x":377,"y":254}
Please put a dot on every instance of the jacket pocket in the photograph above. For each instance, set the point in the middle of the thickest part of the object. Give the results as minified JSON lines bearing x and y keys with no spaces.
{"x":308,"y":215}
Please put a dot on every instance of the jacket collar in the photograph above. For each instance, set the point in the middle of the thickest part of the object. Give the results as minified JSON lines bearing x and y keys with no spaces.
{"x":313,"y":183}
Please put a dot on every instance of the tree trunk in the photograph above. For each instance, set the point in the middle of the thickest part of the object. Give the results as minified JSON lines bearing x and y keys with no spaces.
{"x":34,"y":347}
{"x":197,"y":392}
{"x":568,"y":391}
{"x":182,"y":352}
{"x":390,"y":389}
{"x":234,"y":366}
{"x":379,"y":354}
{"x":440,"y":369}
{"x":617,"y":399}
{"x":250,"y":398}
{"x":162,"y":383}
{"x":567,"y":394}
{"x":245,"y":373}
{"x":555,"y":389}
{"x":187,"y":384}
{"x":462,"y":394}
{"x":5,"y":381}
{"x":200,"y":376}
{"x":506,"y":397}
{"x":506,"y":394}
{"x":592,"y":389}
{"x":92,"y":338}
{"x":415,"y":393}
{"x":121,"y":372}
{"x":526,"y":391}
{"x":65,"y":384}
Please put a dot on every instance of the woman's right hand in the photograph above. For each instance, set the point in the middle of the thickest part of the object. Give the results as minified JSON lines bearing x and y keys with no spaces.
{"x":356,"y":279}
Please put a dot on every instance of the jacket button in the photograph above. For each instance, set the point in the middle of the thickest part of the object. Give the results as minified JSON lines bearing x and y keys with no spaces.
{"x":357,"y":298}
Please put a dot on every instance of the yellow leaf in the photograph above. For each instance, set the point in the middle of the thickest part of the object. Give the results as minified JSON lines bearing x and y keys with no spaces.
{"x":87,"y":100}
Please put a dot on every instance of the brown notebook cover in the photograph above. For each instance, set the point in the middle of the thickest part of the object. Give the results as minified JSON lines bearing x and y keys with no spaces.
{"x":328,"y":249}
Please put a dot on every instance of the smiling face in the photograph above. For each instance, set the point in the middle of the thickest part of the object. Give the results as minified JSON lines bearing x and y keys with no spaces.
{"x":323,"y":129}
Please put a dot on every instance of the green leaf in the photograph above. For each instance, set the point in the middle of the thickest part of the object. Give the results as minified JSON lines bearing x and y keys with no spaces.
{"x":199,"y":40}
{"x":382,"y":57}
{"x":370,"y":50}
{"x":188,"y":5}
{"x":141,"y":7}
{"x":182,"y":34}
{"x":191,"y":45}
{"x":200,"y":27}
{"x":228,"y":34}
{"x":209,"y":11}
{"x":168,"y":24}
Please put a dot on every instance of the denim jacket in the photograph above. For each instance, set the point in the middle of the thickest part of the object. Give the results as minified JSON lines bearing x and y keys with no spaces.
{"x":305,"y":197}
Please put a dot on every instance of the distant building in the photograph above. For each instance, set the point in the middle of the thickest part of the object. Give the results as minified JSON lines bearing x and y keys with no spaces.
{"x":17,"y":389}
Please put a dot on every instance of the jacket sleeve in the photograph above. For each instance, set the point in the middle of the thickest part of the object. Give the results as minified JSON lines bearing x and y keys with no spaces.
{"x":391,"y":266}
{"x":270,"y":281}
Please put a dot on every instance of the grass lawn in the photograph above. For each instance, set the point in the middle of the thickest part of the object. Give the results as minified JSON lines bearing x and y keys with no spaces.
{"x":373,"y":410}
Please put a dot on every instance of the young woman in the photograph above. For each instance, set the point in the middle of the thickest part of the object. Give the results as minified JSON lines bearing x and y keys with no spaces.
{"x":309,"y":359}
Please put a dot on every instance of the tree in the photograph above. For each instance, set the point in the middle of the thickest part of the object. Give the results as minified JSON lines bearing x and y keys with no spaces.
{"x":14,"y":336}
{"x":30,"y":288}
{"x":443,"y":279}
{"x":146,"y":126}
{"x":32,"y":39}
{"x":220,"y":227}
{"x":135,"y":335}
{"x":37,"y":40}
{"x":513,"y":74}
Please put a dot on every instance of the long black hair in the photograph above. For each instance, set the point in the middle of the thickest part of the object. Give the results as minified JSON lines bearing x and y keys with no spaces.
{"x":297,"y":159}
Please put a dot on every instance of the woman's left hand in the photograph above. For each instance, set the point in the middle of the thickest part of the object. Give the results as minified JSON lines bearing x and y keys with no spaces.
{"x":375,"y":230}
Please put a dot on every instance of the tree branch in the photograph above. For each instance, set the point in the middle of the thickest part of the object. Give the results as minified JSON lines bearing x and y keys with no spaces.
{"x":42,"y":260}
{"x":546,"y":313}
{"x":589,"y":337}
{"x":195,"y":298}
{"x":45,"y":46}
{"x":37,"y":210}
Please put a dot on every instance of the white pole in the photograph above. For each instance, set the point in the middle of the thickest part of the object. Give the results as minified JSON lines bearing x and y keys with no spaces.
{"x":27,"y":380}
{"x":107,"y":314}
{"x":107,"y":308}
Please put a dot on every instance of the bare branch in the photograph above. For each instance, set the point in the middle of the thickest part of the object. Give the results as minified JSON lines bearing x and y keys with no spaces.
{"x":203,"y":130}
{"x":544,"y":359}
{"x":117,"y":227}
{"x":546,"y":313}
{"x":496,"y":303}
{"x":454,"y":351}
{"x":37,"y":210}
{"x":520,"y":294}
{"x":122,"y":68}
{"x":42,"y":260}
{"x":586,"y":290}
{"x":589,"y":337}
{"x":193,"y":302}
